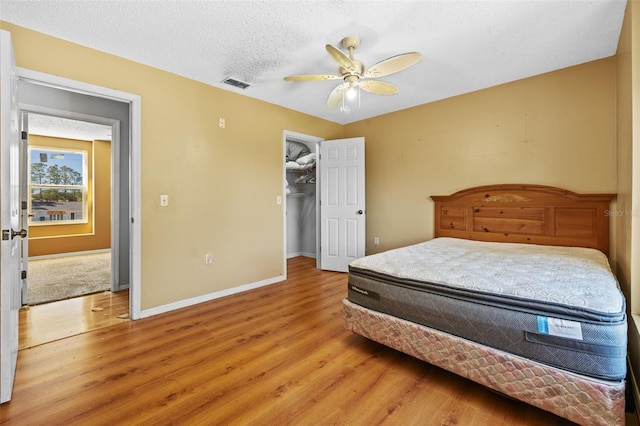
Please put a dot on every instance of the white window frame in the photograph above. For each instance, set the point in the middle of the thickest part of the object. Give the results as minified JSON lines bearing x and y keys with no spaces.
{"x":84,"y":187}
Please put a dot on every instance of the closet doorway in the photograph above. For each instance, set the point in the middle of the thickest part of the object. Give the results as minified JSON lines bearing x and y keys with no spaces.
{"x":302,"y":196}
{"x":332,"y":171}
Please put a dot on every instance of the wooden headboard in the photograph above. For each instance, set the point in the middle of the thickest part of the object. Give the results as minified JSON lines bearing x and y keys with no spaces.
{"x":533,"y":214}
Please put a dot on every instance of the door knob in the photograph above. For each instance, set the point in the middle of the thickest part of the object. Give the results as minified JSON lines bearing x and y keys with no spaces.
{"x":359,"y":212}
{"x":21,"y":233}
{"x":6,"y":233}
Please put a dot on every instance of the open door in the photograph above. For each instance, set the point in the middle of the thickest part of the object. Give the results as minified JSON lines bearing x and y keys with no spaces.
{"x":342,"y":203}
{"x":10,"y":300}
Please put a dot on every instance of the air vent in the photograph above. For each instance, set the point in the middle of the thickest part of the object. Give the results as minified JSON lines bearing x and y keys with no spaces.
{"x":236,"y":83}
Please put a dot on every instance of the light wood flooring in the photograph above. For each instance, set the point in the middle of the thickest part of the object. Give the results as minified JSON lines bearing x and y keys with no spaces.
{"x":276,"y":355}
{"x":54,"y":321}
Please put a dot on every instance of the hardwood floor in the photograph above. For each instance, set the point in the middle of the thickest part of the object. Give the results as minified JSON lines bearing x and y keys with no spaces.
{"x":273,"y":355}
{"x":58,"y":320}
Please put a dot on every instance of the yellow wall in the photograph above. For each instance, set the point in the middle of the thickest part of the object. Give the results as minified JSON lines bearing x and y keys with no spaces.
{"x":627,"y":225}
{"x":554,"y":129}
{"x":96,"y":233}
{"x":222,"y":183}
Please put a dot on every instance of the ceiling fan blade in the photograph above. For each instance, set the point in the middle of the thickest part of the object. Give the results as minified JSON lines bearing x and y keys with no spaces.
{"x":392,"y":65}
{"x":378,"y":87}
{"x":337,"y":96}
{"x":312,"y":77}
{"x":342,"y":59}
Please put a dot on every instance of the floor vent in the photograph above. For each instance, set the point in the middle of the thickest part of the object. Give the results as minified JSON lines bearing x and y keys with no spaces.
{"x":236,"y":83}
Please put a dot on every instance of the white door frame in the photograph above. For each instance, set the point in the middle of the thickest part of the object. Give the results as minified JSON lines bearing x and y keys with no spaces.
{"x":134,"y":165}
{"x":24,"y":216}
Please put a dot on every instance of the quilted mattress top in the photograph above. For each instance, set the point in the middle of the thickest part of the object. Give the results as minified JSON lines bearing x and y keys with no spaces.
{"x":570,"y":276}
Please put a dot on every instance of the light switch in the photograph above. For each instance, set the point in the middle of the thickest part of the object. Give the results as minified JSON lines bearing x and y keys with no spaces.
{"x":164,"y":200}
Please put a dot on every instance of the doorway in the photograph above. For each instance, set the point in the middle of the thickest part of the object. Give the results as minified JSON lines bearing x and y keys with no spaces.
{"x":301,"y":215}
{"x":59,"y":97}
{"x":338,"y":197}
{"x":68,"y":181}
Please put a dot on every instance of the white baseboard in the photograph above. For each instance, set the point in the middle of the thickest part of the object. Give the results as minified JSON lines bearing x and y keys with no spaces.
{"x":301,"y":253}
{"x":73,"y":253}
{"x":207,"y":297}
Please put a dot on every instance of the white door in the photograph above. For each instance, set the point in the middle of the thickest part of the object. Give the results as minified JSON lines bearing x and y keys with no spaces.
{"x":9,"y":217}
{"x":342,"y":203}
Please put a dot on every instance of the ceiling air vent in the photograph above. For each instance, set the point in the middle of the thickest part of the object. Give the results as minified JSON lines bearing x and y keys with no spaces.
{"x":236,"y":83}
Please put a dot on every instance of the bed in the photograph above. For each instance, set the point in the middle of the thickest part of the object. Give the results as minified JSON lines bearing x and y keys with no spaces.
{"x":513,"y":292}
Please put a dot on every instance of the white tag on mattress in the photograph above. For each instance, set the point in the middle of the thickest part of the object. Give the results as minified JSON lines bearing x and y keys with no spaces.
{"x":560,"y":328}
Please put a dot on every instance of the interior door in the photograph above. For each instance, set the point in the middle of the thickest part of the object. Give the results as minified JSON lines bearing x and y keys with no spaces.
{"x":342,"y":203}
{"x":9,"y":216}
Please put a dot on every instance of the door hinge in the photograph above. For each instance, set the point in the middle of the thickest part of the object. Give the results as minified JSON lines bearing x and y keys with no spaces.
{"x":24,"y":136}
{"x":23,"y":205}
{"x":6,"y":235}
{"x":23,"y":275}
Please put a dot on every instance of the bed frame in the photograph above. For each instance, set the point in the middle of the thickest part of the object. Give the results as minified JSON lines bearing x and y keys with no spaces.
{"x":533,"y":214}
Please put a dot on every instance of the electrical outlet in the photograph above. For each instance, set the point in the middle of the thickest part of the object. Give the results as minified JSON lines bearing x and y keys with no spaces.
{"x":376,"y":241}
{"x":208,"y":259}
{"x":164,"y":200}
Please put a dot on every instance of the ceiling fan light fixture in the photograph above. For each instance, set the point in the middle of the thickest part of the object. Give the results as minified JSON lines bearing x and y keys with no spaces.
{"x":351,"y":98}
{"x":352,"y":93}
{"x":352,"y":87}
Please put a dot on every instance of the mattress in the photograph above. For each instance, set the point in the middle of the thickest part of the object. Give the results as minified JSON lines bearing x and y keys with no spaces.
{"x":560,"y":306}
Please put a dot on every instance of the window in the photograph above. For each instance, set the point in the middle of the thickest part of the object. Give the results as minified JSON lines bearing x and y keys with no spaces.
{"x":57,"y":186}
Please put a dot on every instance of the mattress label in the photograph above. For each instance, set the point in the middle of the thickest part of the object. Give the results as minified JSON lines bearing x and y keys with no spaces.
{"x":369,"y":293}
{"x":559,"y":327}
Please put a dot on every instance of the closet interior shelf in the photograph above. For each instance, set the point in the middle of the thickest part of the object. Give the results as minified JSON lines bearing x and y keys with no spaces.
{"x":295,"y":167}
{"x":299,"y":194}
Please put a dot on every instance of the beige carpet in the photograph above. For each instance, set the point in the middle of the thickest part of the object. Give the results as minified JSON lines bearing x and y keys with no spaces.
{"x":66,"y":277}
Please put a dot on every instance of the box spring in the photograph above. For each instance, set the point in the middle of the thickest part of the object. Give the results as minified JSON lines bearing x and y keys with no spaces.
{"x":581,"y":399}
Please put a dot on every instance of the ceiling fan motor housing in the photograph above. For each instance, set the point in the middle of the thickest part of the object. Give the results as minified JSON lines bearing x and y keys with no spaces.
{"x":347,"y":72}
{"x":351,"y":80}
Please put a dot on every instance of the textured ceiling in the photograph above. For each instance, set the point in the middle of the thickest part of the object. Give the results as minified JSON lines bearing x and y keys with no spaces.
{"x":465,"y":45}
{"x":58,"y":127}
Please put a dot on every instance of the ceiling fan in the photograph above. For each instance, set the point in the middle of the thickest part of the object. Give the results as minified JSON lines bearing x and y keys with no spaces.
{"x":353,"y":74}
